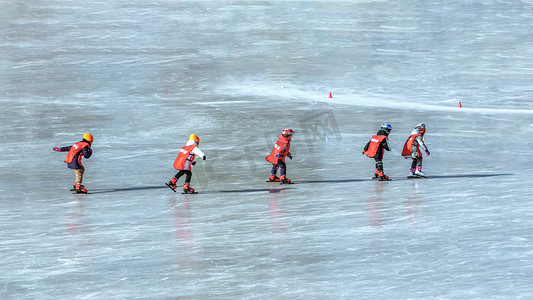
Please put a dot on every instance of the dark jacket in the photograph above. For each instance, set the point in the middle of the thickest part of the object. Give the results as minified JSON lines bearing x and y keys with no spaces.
{"x":76,"y":162}
{"x":384,"y":145}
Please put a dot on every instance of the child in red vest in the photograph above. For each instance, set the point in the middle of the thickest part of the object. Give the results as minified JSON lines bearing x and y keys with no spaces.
{"x":183,"y":163}
{"x":277,"y":157}
{"x":375,"y":149}
{"x":73,"y":159}
{"x":411,"y":149}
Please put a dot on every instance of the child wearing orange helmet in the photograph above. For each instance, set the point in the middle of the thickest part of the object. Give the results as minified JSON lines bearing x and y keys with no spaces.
{"x":278,"y":154}
{"x":73,"y":159}
{"x":184,"y":162}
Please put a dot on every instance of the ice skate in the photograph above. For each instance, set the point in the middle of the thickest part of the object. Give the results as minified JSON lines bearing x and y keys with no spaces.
{"x":419,"y":172}
{"x":80,"y":189}
{"x":383,"y":177}
{"x":188,"y":190}
{"x":412,"y":174}
{"x":273,"y":178}
{"x":285,"y":180}
{"x":172,"y":184}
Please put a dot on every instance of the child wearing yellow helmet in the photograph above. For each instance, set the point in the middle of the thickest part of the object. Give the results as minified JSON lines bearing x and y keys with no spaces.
{"x":73,"y":159}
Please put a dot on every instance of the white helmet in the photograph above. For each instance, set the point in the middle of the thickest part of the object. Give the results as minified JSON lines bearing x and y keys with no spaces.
{"x":421,"y":127}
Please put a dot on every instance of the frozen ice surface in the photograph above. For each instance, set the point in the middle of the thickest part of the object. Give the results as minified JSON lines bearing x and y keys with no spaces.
{"x":141,"y":76}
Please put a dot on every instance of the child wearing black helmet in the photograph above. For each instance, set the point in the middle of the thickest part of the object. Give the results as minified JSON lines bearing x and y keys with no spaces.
{"x":375,"y":149}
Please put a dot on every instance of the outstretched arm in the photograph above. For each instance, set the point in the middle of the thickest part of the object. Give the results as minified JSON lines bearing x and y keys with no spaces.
{"x":199,"y":153}
{"x":62,"y":149}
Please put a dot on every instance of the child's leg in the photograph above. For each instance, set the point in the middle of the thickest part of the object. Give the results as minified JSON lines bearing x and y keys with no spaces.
{"x":188,"y":176}
{"x":414,"y":163}
{"x":282,"y":167}
{"x":179,"y":174}
{"x":379,"y":165}
{"x":79,"y":174}
{"x":174,"y":179}
{"x":186,"y":187}
{"x":419,"y":161}
{"x":274,"y":169}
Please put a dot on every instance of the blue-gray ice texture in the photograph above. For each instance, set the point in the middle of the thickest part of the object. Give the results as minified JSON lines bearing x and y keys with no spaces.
{"x":141,"y":76}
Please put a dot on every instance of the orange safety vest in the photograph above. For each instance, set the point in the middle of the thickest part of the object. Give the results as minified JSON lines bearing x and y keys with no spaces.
{"x":185,"y":158}
{"x":374,"y":145}
{"x":75,"y":149}
{"x":408,"y":146}
{"x":282,"y":148}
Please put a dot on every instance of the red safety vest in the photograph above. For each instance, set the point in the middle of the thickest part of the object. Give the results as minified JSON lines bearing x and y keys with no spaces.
{"x":282,"y":148}
{"x":374,"y":145}
{"x":185,"y":158}
{"x":75,"y":149}
{"x":408,"y":146}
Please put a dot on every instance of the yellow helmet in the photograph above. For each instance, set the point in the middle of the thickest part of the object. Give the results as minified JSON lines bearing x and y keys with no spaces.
{"x":195,"y":138}
{"x":88,"y":137}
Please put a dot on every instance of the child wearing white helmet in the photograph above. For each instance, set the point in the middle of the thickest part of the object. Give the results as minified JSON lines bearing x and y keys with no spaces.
{"x":73,"y":159}
{"x":411,"y":149}
{"x":184,"y":162}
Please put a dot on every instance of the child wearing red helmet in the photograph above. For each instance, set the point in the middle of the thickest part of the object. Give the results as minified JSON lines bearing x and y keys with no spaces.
{"x":184,"y":162}
{"x":278,"y":154}
{"x":73,"y":159}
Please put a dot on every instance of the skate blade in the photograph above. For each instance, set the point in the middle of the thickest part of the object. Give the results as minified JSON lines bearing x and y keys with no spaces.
{"x":170,"y":187}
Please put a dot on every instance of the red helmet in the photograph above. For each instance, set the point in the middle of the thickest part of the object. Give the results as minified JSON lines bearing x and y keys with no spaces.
{"x":287,"y":132}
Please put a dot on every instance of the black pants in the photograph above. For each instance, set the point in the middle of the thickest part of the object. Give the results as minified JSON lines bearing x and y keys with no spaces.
{"x":417,"y":162}
{"x":379,"y":164}
{"x":188,"y":176}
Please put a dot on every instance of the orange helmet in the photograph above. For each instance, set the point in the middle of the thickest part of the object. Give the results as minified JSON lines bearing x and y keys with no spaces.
{"x":195,"y":138}
{"x":88,"y":137}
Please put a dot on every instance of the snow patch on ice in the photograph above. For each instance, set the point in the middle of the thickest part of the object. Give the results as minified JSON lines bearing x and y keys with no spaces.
{"x":273,"y":90}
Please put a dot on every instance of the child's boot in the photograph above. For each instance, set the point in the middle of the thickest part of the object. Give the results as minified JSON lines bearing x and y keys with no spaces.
{"x":411,"y":172}
{"x":187,"y":188}
{"x":383,"y":177}
{"x":419,"y":171}
{"x":376,"y":174}
{"x":273,"y":177}
{"x":80,"y":189}
{"x":172,"y":183}
{"x":284,"y":179}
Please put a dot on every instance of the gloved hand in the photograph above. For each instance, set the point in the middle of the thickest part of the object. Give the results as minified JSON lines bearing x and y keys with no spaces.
{"x":57,"y":149}
{"x":193,"y":163}
{"x":277,"y":155}
{"x":204,"y":158}
{"x":427,"y":152}
{"x":363,"y":152}
{"x":290,"y":156}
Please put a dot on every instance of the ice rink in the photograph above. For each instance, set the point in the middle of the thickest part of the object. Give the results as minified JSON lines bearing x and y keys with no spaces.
{"x":141,"y":76}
